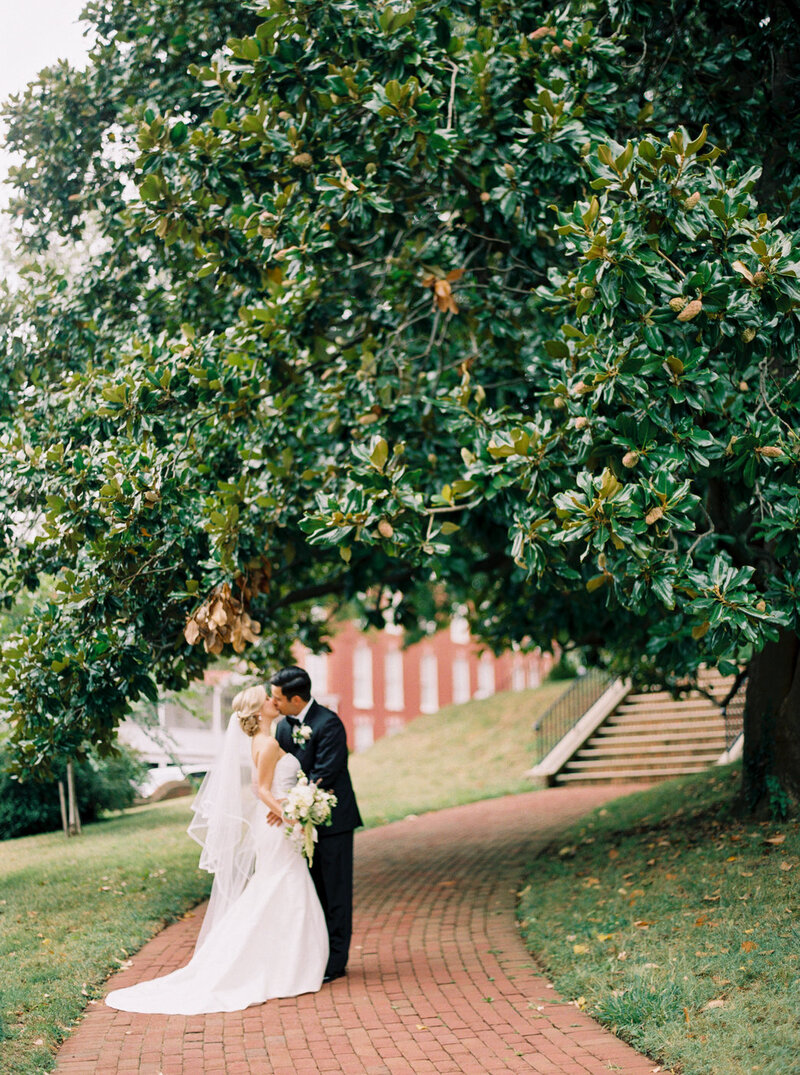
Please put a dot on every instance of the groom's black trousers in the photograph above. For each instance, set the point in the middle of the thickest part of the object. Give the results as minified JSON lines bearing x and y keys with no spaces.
{"x":332,"y":873}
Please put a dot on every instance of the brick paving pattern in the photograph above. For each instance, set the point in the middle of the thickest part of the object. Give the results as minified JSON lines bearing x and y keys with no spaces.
{"x":439,"y":979}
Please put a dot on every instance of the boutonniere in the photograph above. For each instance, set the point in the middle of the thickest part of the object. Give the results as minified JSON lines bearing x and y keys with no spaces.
{"x":301,"y":734}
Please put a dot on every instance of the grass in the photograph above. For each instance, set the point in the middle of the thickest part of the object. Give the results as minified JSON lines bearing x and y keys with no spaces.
{"x":461,"y":754}
{"x":72,"y":911}
{"x":674,"y":922}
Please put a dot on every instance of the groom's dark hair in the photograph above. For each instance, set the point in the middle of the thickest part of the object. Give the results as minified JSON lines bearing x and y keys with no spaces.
{"x":293,"y":681}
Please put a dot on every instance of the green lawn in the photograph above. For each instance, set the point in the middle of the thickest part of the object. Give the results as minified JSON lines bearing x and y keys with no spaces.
{"x":73,"y":910}
{"x":676,"y":922}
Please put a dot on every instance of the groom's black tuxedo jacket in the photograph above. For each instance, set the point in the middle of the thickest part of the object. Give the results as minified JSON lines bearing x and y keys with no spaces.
{"x":324,"y":760}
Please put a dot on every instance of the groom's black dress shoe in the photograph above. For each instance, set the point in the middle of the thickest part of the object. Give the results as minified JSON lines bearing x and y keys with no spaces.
{"x":333,"y":976}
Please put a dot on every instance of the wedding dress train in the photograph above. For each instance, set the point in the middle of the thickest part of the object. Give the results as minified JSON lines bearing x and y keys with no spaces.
{"x":271,"y":941}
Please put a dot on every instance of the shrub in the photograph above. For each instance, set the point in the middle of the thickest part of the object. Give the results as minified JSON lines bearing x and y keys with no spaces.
{"x":101,"y":784}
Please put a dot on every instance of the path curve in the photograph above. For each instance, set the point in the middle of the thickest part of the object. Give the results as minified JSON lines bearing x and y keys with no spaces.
{"x":439,"y":979}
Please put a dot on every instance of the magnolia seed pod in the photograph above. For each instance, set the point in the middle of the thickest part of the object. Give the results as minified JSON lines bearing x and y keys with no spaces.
{"x":748,"y":334}
{"x":744,"y":386}
{"x":303,"y":160}
{"x":692,"y":200}
{"x":759,"y":277}
{"x":630,"y":459}
{"x":385,"y":528}
{"x":588,"y":292}
{"x":510,"y":170}
{"x":770,"y":451}
{"x":581,"y":422}
{"x":485,"y":196}
{"x":691,"y":311}
{"x":677,"y":303}
{"x":654,"y":515}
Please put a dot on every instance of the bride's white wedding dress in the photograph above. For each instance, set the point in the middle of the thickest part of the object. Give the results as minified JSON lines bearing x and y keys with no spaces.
{"x":271,"y":941}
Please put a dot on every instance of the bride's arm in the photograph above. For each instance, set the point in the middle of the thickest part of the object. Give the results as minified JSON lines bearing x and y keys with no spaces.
{"x":266,"y":759}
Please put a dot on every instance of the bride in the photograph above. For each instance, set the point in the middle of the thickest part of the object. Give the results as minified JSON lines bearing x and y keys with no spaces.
{"x":264,"y":932}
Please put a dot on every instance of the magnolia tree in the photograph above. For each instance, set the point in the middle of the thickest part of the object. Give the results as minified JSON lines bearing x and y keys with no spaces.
{"x":474,"y":294}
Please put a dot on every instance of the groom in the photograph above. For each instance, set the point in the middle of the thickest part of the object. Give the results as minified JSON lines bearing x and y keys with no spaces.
{"x":316,"y":737}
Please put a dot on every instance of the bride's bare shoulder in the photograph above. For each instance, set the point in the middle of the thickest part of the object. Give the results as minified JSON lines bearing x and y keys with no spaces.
{"x":266,"y":746}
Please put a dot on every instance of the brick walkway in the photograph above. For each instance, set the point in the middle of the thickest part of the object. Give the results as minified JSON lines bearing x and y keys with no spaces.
{"x":439,"y":980}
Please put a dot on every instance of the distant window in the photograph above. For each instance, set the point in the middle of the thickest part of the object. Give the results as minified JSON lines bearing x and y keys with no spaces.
{"x":518,"y":674}
{"x":459,"y":631}
{"x":316,"y":664}
{"x":485,"y":676}
{"x":461,"y":685}
{"x":364,"y":733}
{"x":394,"y":725}
{"x":393,"y":676}
{"x":362,"y":678}
{"x":428,"y":683}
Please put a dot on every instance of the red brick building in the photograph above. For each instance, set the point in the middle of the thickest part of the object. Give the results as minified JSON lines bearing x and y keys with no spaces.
{"x":377,"y":686}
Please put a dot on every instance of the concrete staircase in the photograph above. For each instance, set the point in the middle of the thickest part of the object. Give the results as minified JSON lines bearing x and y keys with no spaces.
{"x":652,"y":736}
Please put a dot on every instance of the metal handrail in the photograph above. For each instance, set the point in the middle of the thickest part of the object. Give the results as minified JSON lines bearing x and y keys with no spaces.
{"x":733,"y":712}
{"x":568,"y":709}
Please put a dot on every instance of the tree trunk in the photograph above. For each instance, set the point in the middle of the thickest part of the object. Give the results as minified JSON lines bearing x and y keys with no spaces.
{"x":62,"y":802}
{"x":772,"y":722}
{"x":72,"y":810}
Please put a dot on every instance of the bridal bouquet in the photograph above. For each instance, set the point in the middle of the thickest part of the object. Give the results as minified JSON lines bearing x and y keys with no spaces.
{"x":306,"y":806}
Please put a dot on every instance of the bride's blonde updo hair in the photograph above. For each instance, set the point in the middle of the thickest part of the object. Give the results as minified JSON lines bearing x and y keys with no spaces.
{"x":247,"y":707}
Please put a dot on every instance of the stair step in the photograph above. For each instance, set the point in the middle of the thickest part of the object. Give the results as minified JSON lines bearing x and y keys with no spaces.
{"x":626,"y":728}
{"x":629,"y":774}
{"x":613,"y":749}
{"x":658,"y":697}
{"x":701,"y":760}
{"x":699,"y":706}
{"x":684,"y":736}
